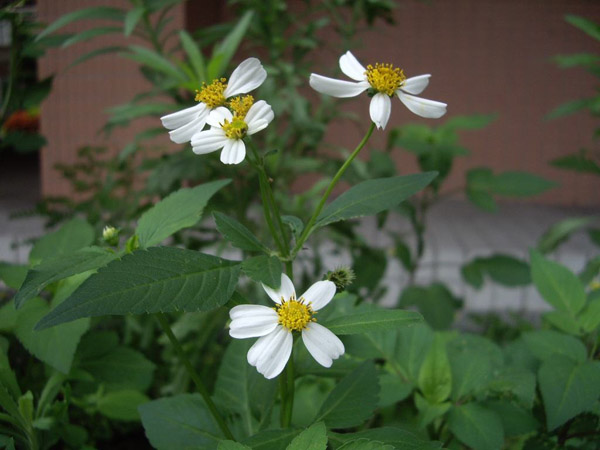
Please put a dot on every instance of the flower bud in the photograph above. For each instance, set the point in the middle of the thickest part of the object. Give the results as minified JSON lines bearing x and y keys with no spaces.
{"x":110,"y":235}
{"x":341,"y":277}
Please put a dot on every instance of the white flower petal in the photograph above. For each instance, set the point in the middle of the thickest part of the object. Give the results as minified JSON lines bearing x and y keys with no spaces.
{"x":271,"y":352}
{"x":208,"y":141}
{"x":249,"y":75}
{"x":319,"y":294}
{"x":380,"y":109}
{"x":180,"y":118}
{"x":256,"y":126}
{"x":234,"y":151}
{"x":218,"y":116}
{"x":285,"y":291}
{"x":337,"y":88}
{"x":322,"y":344}
{"x":352,"y":68}
{"x":429,"y":109}
{"x":261,"y":110}
{"x":252,"y":321}
{"x":415,"y":85}
{"x":183,"y":134}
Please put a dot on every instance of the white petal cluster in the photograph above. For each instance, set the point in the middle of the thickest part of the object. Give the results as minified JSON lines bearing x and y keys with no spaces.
{"x":381,"y":105}
{"x":271,"y":351}
{"x":184,"y":124}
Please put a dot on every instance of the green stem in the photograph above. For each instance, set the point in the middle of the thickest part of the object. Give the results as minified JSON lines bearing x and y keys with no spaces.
{"x":164,"y":323}
{"x":286,"y":386}
{"x":309,"y":226}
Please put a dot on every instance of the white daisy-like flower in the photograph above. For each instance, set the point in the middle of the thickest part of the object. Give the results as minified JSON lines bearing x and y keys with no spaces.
{"x":383,"y":81}
{"x":249,"y":75}
{"x":274,"y":327}
{"x":228,"y":130}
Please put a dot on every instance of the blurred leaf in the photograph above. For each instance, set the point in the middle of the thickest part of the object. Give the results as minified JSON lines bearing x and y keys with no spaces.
{"x":95,"y":13}
{"x":435,"y":376}
{"x":147,"y":281}
{"x":122,"y":405}
{"x":589,"y":318}
{"x":155,"y":61}
{"x":563,"y":321}
{"x":98,"y":52}
{"x":90,"y":34}
{"x":353,"y":399}
{"x":581,"y":162}
{"x":558,"y":285}
{"x":194,"y":55}
{"x":376,"y":320}
{"x":570,"y":108}
{"x":560,"y":232}
{"x":476,"y":426}
{"x":399,"y":438}
{"x":549,"y":344}
{"x":428,"y":412}
{"x":263,"y":269}
{"x":568,"y":388}
{"x":437,"y":304}
{"x":236,"y":233}
{"x":132,"y":18}
{"x":179,"y":210}
{"x":516,"y":420}
{"x":232,"y":445}
{"x":587,"y":26}
{"x":503,"y":269}
{"x":520,"y":184}
{"x":576,"y":59}
{"x":472,"y":122}
{"x":224,"y":51}
{"x":72,"y":236}
{"x":12,"y":275}
{"x":181,"y":421}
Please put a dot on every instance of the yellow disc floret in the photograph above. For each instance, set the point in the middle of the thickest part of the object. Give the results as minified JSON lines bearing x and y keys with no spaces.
{"x":295,"y":315}
{"x":241,"y":105}
{"x":385,"y":78}
{"x":236,"y":129}
{"x":212,"y":94}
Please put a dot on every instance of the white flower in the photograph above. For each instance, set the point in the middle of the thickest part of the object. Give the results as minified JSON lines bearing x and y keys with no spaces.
{"x":228,"y":130}
{"x":383,"y":81}
{"x":249,"y":75}
{"x":274,"y":327}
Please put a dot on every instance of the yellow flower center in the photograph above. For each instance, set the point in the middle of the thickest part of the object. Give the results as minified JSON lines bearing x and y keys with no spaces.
{"x":241,"y":105}
{"x":212,"y":94}
{"x":295,"y":314}
{"x":385,"y":78}
{"x":236,"y":129}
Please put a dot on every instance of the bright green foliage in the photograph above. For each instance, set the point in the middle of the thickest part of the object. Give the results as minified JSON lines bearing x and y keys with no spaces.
{"x":435,"y":375}
{"x":236,"y":233}
{"x":179,"y":210}
{"x":313,"y":438}
{"x":568,"y":388}
{"x":373,"y":196}
{"x":353,"y":399}
{"x":557,"y":285}
{"x":181,"y":421}
{"x":158,"y":279}
{"x":263,"y":269}
{"x":476,"y":426}
{"x":376,"y":320}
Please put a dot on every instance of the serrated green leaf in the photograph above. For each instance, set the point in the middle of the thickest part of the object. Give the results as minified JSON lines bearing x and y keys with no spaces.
{"x":224,"y":51}
{"x":373,"y":196}
{"x":72,"y":236}
{"x":568,"y":388}
{"x":236,"y":233}
{"x":271,"y":439}
{"x":132,"y":18}
{"x":558,"y":285}
{"x":313,"y":438}
{"x":263,"y":269}
{"x":181,"y":421}
{"x":179,"y":210}
{"x":560,"y":232}
{"x":476,"y":426}
{"x":159,"y":279}
{"x":7,"y":376}
{"x":376,"y":320}
{"x":122,"y":405}
{"x":547,"y":344}
{"x":353,"y":399}
{"x":54,"y":269}
{"x":96,"y":13}
{"x":435,"y":376}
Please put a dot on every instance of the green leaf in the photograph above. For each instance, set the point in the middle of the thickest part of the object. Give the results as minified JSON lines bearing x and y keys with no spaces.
{"x":587,"y":26}
{"x":589,"y":318}
{"x":156,"y":61}
{"x":194,"y":55}
{"x":571,"y":107}
{"x":413,"y":344}
{"x":560,"y":232}
{"x":294,"y":223}
{"x":472,"y":122}
{"x":429,"y":412}
{"x":98,"y":52}
{"x":373,"y":196}
{"x":96,"y":13}
{"x":179,"y":210}
{"x":181,"y":421}
{"x":122,"y":405}
{"x":271,"y":439}
{"x":568,"y":388}
{"x":236,"y":233}
{"x":563,"y":321}
{"x":72,"y":236}
{"x":263,"y":269}
{"x":437,"y":304}
{"x":547,"y":344}
{"x":397,"y":437}
{"x":54,"y":269}
{"x":471,"y":370}
{"x":581,"y":161}
{"x":7,"y":376}
{"x":159,"y":279}
{"x":232,"y":445}
{"x":224,"y":51}
{"x":353,"y":399}
{"x":520,"y":184}
{"x":503,"y":269}
{"x":476,"y":426}
{"x":132,"y":18}
{"x":558,"y":285}
{"x":313,"y":438}
{"x":365,"y":444}
{"x":472,"y":273}
{"x":576,"y":59}
{"x":13,"y":275}
{"x":241,"y":391}
{"x":515,"y":382}
{"x":435,"y":376}
{"x":87,"y":35}
{"x":393,"y":389}
{"x":376,"y":320}
{"x":516,"y":420}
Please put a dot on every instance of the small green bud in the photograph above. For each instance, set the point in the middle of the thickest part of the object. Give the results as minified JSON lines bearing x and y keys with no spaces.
{"x":341,"y":277}
{"x":133,"y":243}
{"x":110,"y":235}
